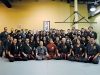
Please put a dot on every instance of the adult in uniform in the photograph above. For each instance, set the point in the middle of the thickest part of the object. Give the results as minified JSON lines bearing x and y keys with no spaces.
{"x":18,"y":35}
{"x":28,"y":35}
{"x":92,"y":52}
{"x":37,"y":42}
{"x":20,"y":44}
{"x":13,"y":52}
{"x":27,"y":52}
{"x":68,"y":33}
{"x":53,"y":35}
{"x":41,"y":52}
{"x":84,"y":41}
{"x":78,"y":51}
{"x":4,"y":34}
{"x":64,"y":49}
{"x":45,"y":42}
{"x":12,"y":32}
{"x":5,"y":45}
{"x":1,"y":48}
{"x":52,"y":50}
{"x":32,"y":43}
{"x":92,"y":33}
{"x":57,"y":41}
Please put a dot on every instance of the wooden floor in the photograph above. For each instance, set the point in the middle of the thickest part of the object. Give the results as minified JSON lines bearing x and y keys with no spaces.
{"x":47,"y":67}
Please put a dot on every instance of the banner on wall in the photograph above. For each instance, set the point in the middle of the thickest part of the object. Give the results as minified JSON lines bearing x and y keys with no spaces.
{"x":46,"y":25}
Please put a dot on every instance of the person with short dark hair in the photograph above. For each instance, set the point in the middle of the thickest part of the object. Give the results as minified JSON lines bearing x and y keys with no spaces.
{"x":78,"y":51}
{"x":41,"y":52}
{"x":18,"y":35}
{"x":4,"y":34}
{"x":92,"y":33}
{"x":27,"y":52}
{"x":84,"y":41}
{"x":64,"y":49}
{"x":1,"y":48}
{"x":57,"y":41}
{"x":13,"y":52}
{"x":92,"y":52}
{"x":6,"y":45}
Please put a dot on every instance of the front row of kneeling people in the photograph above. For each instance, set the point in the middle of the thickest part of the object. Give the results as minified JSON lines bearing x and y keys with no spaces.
{"x":64,"y":51}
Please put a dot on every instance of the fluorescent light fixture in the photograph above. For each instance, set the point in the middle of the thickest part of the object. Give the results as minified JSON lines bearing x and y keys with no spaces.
{"x":93,"y":8}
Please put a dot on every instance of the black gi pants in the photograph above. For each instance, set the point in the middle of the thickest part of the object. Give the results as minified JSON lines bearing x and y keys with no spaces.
{"x":15,"y":58}
{"x":29,"y":57}
{"x":76,"y":57}
{"x":91,"y":60}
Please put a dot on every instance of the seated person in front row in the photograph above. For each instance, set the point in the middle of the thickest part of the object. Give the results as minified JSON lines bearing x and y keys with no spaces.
{"x":78,"y":51}
{"x":13,"y":52}
{"x":27,"y":52}
{"x":92,"y":52}
{"x":52,"y":50}
{"x":41,"y":52}
{"x":64,"y":49}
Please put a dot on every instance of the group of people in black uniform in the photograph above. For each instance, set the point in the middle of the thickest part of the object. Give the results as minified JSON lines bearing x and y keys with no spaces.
{"x":75,"y":45}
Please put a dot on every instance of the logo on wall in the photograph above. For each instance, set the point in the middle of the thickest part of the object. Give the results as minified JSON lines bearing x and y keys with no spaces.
{"x":46,"y":25}
{"x":19,"y":25}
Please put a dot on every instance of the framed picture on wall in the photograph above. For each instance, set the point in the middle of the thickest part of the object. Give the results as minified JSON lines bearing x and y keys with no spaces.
{"x":46,"y":25}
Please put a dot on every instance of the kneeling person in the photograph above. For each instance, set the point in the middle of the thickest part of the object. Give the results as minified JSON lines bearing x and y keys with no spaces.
{"x":64,"y":49}
{"x":52,"y":50}
{"x":92,"y":52}
{"x":14,"y":52}
{"x":27,"y":52}
{"x":41,"y":52}
{"x":78,"y":51}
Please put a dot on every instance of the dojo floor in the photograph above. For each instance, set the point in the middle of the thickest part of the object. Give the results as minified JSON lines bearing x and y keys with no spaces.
{"x":47,"y":67}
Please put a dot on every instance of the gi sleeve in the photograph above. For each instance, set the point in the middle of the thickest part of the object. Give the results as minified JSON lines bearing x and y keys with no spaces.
{"x":45,"y":49}
{"x":37,"y":50}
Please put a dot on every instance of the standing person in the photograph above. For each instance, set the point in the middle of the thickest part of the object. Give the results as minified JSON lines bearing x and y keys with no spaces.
{"x":57,"y":41}
{"x":12,"y":32}
{"x":92,"y":33}
{"x":20,"y":45}
{"x":18,"y":35}
{"x":53,"y":35}
{"x":84,"y":41}
{"x":23,"y":35}
{"x":52,"y":50}
{"x":1,"y":48}
{"x":92,"y":52}
{"x":4,"y":34}
{"x":68,"y":33}
{"x":5,"y":45}
{"x":27,"y":52}
{"x":45,"y":42}
{"x":41,"y":52}
{"x":37,"y":42}
{"x":32,"y":43}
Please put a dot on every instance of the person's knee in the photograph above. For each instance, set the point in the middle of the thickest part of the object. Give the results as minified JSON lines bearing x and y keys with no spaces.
{"x":25,"y":58}
{"x":85,"y":60}
{"x":80,"y":59}
{"x":11,"y":59}
{"x":58,"y":58}
{"x":96,"y":61}
{"x":71,"y":58}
